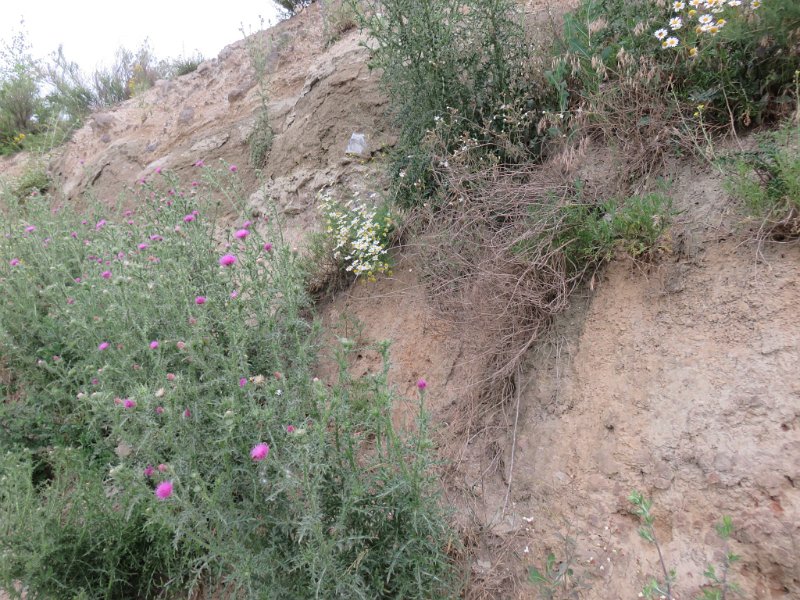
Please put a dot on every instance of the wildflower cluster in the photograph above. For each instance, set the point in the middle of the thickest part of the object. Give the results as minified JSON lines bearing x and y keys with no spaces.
{"x":167,"y":431}
{"x":360,"y":236}
{"x":700,"y":17}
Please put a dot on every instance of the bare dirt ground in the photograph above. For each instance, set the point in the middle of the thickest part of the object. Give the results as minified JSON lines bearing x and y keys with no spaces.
{"x":677,"y":379}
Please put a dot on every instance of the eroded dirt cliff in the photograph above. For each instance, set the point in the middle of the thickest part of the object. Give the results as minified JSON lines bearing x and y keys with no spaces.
{"x":678,"y":378}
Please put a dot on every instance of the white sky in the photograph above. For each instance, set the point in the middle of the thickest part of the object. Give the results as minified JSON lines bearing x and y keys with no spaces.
{"x":91,"y":30}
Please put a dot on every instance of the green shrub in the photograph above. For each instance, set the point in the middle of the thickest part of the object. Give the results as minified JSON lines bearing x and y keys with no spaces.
{"x":589,"y":233}
{"x":339,"y":17}
{"x":183,"y":65}
{"x":156,"y":346}
{"x":293,"y":6}
{"x":459,"y":67}
{"x":262,"y":135}
{"x":19,"y":94}
{"x":741,"y":70}
{"x":34,"y":181}
{"x":767,"y":180}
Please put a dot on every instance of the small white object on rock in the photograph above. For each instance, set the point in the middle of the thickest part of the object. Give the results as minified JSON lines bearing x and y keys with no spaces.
{"x":357,"y":144}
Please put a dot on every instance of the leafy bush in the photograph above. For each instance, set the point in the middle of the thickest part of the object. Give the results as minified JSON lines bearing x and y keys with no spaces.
{"x":767,"y":180}
{"x":34,"y":181}
{"x":339,"y":17}
{"x":737,"y":59}
{"x":460,"y":67}
{"x":588,"y":233}
{"x":19,"y":94}
{"x":168,"y":436}
{"x":31,"y":119}
{"x":293,"y":6}
{"x":262,"y":135}
{"x":183,"y":65}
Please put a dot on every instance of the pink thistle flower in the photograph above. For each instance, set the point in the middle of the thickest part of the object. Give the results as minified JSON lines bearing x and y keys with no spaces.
{"x":247,"y":224}
{"x":243,"y":382}
{"x":77,"y":280}
{"x":156,"y":238}
{"x":233,"y":168}
{"x":70,"y":300}
{"x":127,"y":213}
{"x":192,"y":321}
{"x":188,"y":218}
{"x":200,"y":163}
{"x":100,"y":224}
{"x":195,"y":184}
{"x":14,"y":262}
{"x":143,"y":246}
{"x":106,"y":274}
{"x":187,"y":413}
{"x":290,"y":429}
{"x":74,"y":235}
{"x":241,"y":234}
{"x":158,"y":170}
{"x":153,"y":344}
{"x":227,"y":260}
{"x":149,"y":470}
{"x":103,"y":346}
{"x":422,"y":384}
{"x":170,"y":376}
{"x":30,"y":229}
{"x":180,"y":345}
{"x":164,"y":490}
{"x":200,"y":300}
{"x":162,"y":468}
{"x":95,"y":380}
{"x":259,"y":452}
{"x":267,"y":247}
{"x":128,"y":403}
{"x":234,"y":294}
{"x":159,"y":410}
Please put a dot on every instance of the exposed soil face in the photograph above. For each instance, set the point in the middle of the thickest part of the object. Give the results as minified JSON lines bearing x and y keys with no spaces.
{"x":677,"y":379}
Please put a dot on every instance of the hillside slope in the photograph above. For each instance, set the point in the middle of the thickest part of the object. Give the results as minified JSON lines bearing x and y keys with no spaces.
{"x":678,"y":379}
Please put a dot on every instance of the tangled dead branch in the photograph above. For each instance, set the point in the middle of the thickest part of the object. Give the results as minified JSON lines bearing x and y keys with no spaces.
{"x":493,"y":261}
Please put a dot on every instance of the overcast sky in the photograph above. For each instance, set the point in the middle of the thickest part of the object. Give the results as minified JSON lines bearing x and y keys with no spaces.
{"x":91,"y":30}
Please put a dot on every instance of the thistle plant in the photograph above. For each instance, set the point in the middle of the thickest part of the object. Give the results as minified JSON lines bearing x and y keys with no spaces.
{"x":167,"y":436}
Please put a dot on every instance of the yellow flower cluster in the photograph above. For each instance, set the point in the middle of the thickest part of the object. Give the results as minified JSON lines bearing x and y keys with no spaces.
{"x":703,"y":12}
{"x":359,"y":236}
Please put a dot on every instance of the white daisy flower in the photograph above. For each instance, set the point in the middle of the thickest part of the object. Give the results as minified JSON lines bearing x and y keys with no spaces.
{"x":662,"y":33}
{"x":675,"y":23}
